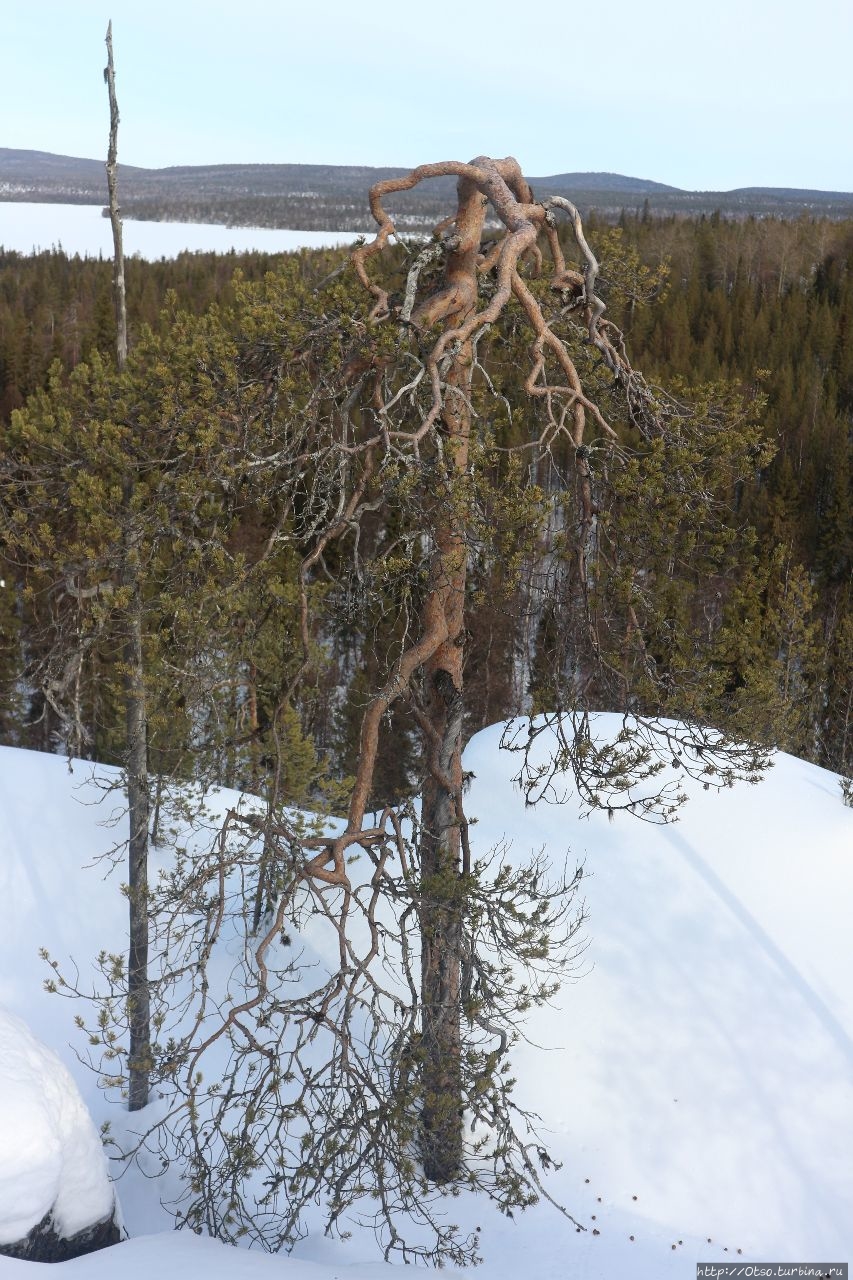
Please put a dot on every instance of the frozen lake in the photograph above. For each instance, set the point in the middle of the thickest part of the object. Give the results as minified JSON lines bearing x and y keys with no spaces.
{"x":80,"y":229}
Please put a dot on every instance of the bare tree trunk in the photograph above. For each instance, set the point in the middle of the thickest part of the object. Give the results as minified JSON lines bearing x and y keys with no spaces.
{"x":136,"y":716}
{"x":119,"y":295}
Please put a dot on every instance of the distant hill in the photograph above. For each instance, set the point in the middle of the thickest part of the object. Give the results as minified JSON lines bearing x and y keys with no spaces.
{"x":615,"y":182}
{"x":790,"y":193}
{"x":306,"y":196}
{"x":43,"y":166}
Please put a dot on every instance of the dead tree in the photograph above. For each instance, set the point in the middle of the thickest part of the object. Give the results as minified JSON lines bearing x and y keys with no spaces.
{"x":449,"y":319}
{"x":136,"y":720}
{"x":119,"y":293}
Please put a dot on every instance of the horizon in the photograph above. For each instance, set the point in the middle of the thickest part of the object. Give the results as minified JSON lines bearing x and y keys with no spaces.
{"x":324,"y":164}
{"x":200,"y":82}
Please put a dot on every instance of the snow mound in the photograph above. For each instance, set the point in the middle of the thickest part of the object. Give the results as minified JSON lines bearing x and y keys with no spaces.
{"x":696,"y":1081}
{"x":50,"y":1155}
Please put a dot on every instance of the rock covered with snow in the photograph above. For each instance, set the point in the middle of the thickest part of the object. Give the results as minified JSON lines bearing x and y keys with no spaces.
{"x":56,"y":1199}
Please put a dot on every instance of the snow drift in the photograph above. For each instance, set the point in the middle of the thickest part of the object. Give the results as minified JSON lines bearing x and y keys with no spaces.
{"x":51,"y":1158}
{"x":696,"y":1076}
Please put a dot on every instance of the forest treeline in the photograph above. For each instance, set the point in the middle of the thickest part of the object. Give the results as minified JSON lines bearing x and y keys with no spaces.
{"x":756,"y":311}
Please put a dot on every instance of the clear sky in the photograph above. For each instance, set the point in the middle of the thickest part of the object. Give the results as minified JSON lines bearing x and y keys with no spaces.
{"x":706,"y":96}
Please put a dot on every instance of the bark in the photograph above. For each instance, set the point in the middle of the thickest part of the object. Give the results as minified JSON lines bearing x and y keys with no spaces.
{"x":442,"y":904}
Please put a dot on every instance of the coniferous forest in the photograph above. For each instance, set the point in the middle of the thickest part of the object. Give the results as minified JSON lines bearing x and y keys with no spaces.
{"x":758,"y":312}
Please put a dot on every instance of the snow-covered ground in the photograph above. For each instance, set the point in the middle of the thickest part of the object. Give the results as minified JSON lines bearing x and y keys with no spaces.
{"x":696,"y":1079}
{"x":80,"y":229}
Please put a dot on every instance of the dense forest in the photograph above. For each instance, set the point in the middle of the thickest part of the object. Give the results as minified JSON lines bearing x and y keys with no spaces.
{"x":756,"y":309}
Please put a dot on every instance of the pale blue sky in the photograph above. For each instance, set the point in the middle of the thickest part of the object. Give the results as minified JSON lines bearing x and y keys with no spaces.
{"x":716,"y":95}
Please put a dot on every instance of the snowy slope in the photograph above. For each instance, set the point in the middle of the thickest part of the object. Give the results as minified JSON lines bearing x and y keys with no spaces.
{"x":698,"y":1076}
{"x":707,"y":1059}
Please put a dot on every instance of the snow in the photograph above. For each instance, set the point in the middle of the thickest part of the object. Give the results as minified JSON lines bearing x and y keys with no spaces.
{"x":80,"y":229}
{"x":50,"y":1154}
{"x":695,"y":1078}
{"x":188,"y":1256}
{"x":709,"y":1046}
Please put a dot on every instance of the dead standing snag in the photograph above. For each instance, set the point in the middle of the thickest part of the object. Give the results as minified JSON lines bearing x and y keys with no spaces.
{"x":453,"y":308}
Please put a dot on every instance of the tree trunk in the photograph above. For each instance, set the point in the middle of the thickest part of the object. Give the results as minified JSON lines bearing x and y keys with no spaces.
{"x":442,"y":879}
{"x":119,"y":292}
{"x":442,"y":890}
{"x":138,"y":1000}
{"x":136,"y":715}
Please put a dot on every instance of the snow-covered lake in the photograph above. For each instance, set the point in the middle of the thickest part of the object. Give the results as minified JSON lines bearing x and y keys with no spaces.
{"x":80,"y":229}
